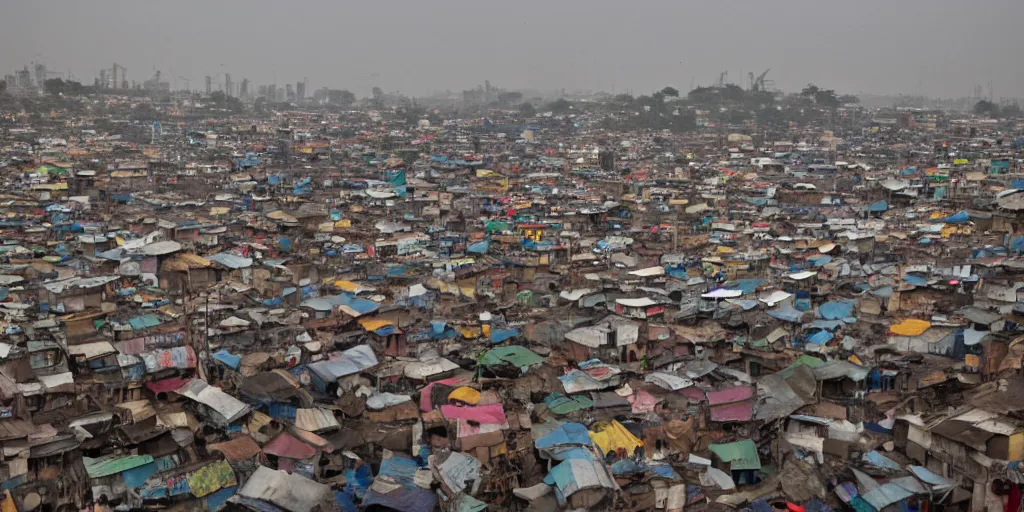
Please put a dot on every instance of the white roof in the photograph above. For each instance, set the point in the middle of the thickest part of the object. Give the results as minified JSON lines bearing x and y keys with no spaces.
{"x":160,"y":248}
{"x":417,"y":290}
{"x":234,"y":321}
{"x":384,"y":400}
{"x":227,"y":406}
{"x":353,"y":360}
{"x":591,"y":336}
{"x":722,"y":293}
{"x":648,"y":272}
{"x":290,"y":492}
{"x":800,"y":276}
{"x":315,"y":420}
{"x":576,"y":294}
{"x":668,"y":381}
{"x":422,"y":370}
{"x":92,"y":350}
{"x":54,"y":381}
{"x":775,"y":297}
{"x":642,"y":302}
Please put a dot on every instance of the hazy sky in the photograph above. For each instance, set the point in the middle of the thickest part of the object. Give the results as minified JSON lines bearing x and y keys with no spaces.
{"x":932,"y":47}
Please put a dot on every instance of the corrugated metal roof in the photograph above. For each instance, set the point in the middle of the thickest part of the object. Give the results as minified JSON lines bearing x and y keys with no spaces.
{"x":238,"y":449}
{"x":92,"y":350}
{"x":13,"y":428}
{"x":315,"y":420}
{"x":107,"y":466}
{"x":231,"y":260}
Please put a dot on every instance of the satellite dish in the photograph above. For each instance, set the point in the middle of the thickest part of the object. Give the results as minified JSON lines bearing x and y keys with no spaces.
{"x":31,"y":501}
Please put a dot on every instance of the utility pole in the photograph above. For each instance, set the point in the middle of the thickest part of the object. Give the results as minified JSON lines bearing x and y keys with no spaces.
{"x":675,"y":231}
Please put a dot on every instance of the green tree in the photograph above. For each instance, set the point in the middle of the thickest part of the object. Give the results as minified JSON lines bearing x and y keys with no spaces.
{"x":53,"y":86}
{"x":703,"y":95}
{"x":986,"y":108}
{"x":344,"y":98}
{"x":623,"y":100}
{"x":1011,"y":110}
{"x":560,"y":106}
{"x":510,"y":98}
{"x":527,"y":110}
{"x":826,"y":98}
{"x":3,"y":86}
{"x":732,"y":92}
{"x":670,"y":92}
{"x":849,"y":99}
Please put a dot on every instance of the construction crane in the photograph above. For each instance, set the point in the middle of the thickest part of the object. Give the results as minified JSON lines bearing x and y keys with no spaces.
{"x":721,"y":78}
{"x":124,"y":76}
{"x":187,"y":86}
{"x":759,"y":83}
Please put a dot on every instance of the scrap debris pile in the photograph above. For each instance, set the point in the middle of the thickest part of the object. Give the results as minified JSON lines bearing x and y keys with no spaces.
{"x":269,"y":314}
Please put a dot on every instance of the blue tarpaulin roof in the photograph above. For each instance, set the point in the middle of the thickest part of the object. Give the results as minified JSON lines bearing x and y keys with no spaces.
{"x":830,"y":325}
{"x":787,"y":314}
{"x":819,"y":261}
{"x":884,"y":292}
{"x":144,"y":322}
{"x":820,"y":338}
{"x":566,"y":434}
{"x":357,"y":305}
{"x":747,"y":286}
{"x":232,"y":261}
{"x":878,"y":460}
{"x":229,"y":359}
{"x":836,"y":309}
{"x":405,"y":499}
{"x":500,"y":335}
{"x":958,"y":218}
{"x":479,"y":247}
{"x":401,"y":469}
{"x":219,"y":497}
{"x":915,"y":280}
{"x":878,"y":206}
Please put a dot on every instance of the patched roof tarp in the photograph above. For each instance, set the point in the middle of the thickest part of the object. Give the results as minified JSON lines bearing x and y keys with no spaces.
{"x":910,"y":327}
{"x":106,"y":466}
{"x":611,"y":437}
{"x":519,"y":357}
{"x":740,"y":455}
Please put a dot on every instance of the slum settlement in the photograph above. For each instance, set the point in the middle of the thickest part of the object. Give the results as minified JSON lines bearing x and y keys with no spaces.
{"x":310,"y":311}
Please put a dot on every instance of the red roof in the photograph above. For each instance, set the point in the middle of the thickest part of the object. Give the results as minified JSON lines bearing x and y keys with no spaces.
{"x":728,"y":396}
{"x":166,"y":385}
{"x":286,"y":445}
{"x":493,"y":414}
{"x":739,"y":411}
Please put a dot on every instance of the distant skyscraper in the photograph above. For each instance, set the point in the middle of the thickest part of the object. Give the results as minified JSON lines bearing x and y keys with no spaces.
{"x":262,"y":91}
{"x":24,"y":78}
{"x":40,"y":75}
{"x":289,"y":92}
{"x":209,"y":85}
{"x":300,"y":91}
{"x":243,"y":89}
{"x":272,"y":92}
{"x":228,"y":84}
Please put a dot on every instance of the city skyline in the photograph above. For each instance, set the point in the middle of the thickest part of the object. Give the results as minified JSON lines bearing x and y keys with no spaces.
{"x":868,"y":47}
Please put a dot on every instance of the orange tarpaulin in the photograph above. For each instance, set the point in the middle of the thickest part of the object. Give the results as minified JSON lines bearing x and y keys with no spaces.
{"x":910,"y":327}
